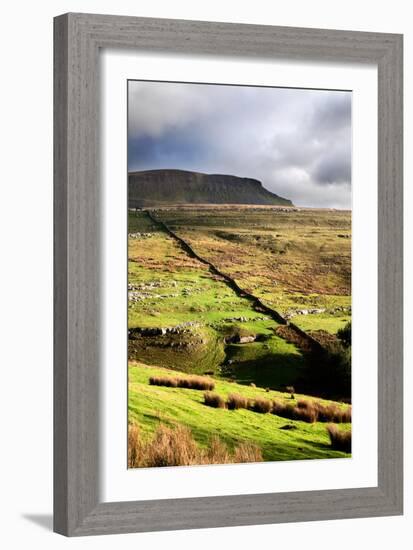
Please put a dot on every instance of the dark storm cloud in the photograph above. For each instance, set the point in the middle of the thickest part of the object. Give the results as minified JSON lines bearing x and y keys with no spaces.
{"x":336,"y":168}
{"x":297,"y":142}
{"x":172,"y":150}
{"x":333,"y":113}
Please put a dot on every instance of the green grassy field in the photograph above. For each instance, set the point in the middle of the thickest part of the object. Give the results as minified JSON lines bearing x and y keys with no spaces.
{"x":329,"y":323}
{"x":292,"y":261}
{"x":174,"y":289}
{"x":151,"y":405}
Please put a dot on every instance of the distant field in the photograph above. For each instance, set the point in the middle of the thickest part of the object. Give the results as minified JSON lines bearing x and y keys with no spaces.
{"x":292,"y":259}
{"x":183,"y":316}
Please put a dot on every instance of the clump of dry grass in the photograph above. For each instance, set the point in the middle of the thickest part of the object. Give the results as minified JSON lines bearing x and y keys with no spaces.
{"x":340,"y":439}
{"x":346,"y":415}
{"x":190,"y":382}
{"x":236,"y":401}
{"x":196,"y":383}
{"x":285,"y":410}
{"x":134,"y":446}
{"x":167,"y":381}
{"x":214,"y":400}
{"x":217,"y":452}
{"x":305,"y":411}
{"x":333,"y":413}
{"x":175,"y":446}
{"x":312,"y":411}
{"x":260,"y":405}
{"x":169,"y":447}
{"x":247,"y":452}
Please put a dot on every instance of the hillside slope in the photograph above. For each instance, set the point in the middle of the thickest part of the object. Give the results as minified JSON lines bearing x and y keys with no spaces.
{"x":157,"y":187}
{"x":278,"y":438}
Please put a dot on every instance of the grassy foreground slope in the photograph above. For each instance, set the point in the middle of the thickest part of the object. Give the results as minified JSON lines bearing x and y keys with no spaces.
{"x":151,"y":405}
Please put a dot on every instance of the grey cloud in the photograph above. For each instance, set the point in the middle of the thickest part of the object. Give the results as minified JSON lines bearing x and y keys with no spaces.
{"x":297,"y":142}
{"x":333,"y":112}
{"x":336,"y":168}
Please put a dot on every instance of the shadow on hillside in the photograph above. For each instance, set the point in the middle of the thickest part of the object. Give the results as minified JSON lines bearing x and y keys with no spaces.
{"x":275,"y":371}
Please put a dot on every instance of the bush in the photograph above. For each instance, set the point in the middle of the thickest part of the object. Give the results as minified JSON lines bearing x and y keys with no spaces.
{"x":331,"y":371}
{"x":340,"y":439}
{"x":190,"y":382}
{"x":175,"y":446}
{"x":236,"y":401}
{"x":260,"y":405}
{"x":344,"y":334}
{"x":214,"y":400}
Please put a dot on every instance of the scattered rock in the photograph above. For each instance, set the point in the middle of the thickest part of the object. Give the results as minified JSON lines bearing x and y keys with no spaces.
{"x":293,"y":312}
{"x":140,"y":235}
{"x":245,"y":339}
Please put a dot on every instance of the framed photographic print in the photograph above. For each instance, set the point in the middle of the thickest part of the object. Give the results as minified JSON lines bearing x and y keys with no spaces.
{"x":228,"y":274}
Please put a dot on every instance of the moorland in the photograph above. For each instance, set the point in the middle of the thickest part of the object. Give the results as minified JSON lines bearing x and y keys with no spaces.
{"x":238,"y":304}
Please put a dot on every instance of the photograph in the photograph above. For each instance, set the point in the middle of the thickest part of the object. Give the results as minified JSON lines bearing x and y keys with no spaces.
{"x":239,"y":273}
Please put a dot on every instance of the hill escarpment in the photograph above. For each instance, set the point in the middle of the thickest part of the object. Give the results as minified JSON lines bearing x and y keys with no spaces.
{"x":159,"y":187}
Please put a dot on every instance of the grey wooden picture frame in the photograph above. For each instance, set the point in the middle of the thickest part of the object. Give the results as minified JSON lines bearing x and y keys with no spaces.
{"x":78,"y":38}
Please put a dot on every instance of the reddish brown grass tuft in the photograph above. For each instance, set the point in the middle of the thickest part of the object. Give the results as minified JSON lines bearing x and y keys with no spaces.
{"x":175,"y":446}
{"x":169,"y":447}
{"x":236,"y":401}
{"x":217,"y":452}
{"x":196,"y":383}
{"x":285,"y":410}
{"x":167,"y":381}
{"x":214,"y":400}
{"x":134,"y":446}
{"x":340,"y":439}
{"x":190,"y":382}
{"x":333,"y":413}
{"x":260,"y":405}
{"x":312,"y":411}
{"x":247,"y":452}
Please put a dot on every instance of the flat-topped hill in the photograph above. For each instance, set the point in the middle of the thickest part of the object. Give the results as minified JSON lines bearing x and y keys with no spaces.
{"x":157,"y":187}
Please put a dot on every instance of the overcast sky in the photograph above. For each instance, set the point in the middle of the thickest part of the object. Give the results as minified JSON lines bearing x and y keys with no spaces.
{"x":296,"y":142}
